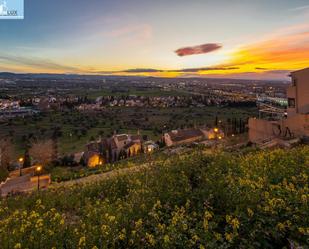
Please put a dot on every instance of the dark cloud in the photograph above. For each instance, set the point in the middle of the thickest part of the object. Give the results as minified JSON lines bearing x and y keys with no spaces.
{"x":193,"y":70}
{"x":273,"y":71}
{"x":185,"y":70}
{"x":200,"y":49}
{"x":261,"y":68}
{"x":281,"y":72}
{"x":143,"y":70}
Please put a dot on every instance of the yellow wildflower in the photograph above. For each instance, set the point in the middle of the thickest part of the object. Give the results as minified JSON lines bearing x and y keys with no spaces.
{"x":166,"y":239}
{"x":157,"y":204}
{"x":62,"y":222}
{"x":139,"y":223}
{"x":218,"y":236}
{"x":195,"y":237}
{"x":250,"y":212}
{"x":304,"y":198}
{"x":229,"y":237}
{"x":82,"y":241}
{"x":111,"y":218}
{"x":301,"y":230}
{"x":150,"y":239}
{"x":17,"y":246}
{"x":161,"y":227}
{"x":228,"y":218}
{"x":235,"y":223}
{"x":205,"y":224}
{"x":122,"y":236}
{"x":280,"y":226}
{"x":184,"y":226}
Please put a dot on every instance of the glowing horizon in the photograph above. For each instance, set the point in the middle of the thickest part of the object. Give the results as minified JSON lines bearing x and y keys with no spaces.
{"x":258,"y":40}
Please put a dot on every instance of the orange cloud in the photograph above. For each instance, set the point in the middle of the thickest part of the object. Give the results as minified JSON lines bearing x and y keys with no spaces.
{"x":289,"y":51}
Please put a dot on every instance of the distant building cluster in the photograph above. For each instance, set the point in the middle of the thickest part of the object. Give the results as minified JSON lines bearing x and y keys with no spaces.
{"x":12,"y":109}
{"x":119,"y":146}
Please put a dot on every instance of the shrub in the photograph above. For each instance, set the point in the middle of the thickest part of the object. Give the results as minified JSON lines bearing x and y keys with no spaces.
{"x":194,"y":200}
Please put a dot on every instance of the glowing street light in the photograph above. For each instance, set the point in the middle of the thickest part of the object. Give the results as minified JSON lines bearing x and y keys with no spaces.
{"x":20,"y":160}
{"x":216,"y":130}
{"x":38,"y":170}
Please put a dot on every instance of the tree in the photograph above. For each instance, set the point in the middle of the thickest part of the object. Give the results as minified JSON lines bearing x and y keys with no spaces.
{"x":27,"y":159}
{"x":6,"y":157}
{"x":216,"y":121}
{"x":42,"y":151}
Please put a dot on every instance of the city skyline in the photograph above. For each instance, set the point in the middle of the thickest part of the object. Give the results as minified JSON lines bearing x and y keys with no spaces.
{"x":235,"y":39}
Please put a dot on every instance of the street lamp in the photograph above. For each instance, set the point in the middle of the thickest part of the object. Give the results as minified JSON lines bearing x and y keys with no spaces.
{"x":38,"y":170}
{"x":216,"y":130}
{"x":20,"y":160}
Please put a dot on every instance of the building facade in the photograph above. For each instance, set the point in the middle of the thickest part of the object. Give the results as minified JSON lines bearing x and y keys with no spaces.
{"x":296,"y":123}
{"x":119,"y":146}
{"x":187,"y":136}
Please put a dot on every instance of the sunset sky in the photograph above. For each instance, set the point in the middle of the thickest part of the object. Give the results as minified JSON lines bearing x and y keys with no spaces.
{"x":262,"y":39}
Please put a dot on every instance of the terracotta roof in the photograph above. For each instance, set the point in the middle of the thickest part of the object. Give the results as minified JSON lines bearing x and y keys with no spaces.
{"x":122,"y":137}
{"x":136,"y":137}
{"x":181,"y":135}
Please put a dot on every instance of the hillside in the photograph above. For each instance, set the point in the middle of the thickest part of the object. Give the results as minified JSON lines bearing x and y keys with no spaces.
{"x":194,"y":200}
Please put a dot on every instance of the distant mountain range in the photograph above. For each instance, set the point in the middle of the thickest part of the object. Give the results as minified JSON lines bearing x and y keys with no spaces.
{"x":10,"y":75}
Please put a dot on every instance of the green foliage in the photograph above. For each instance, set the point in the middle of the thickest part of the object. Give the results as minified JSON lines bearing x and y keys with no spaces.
{"x":60,"y":173}
{"x":196,"y":200}
{"x":3,"y":173}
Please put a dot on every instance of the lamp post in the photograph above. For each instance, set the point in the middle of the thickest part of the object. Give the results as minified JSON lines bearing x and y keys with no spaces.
{"x":20,"y":160}
{"x":38,"y":170}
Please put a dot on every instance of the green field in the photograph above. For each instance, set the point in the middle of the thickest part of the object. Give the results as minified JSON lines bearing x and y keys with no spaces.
{"x":78,"y":128}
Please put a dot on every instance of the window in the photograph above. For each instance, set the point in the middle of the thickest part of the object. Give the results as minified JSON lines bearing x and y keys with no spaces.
{"x":294,"y":82}
{"x":291,"y":102}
